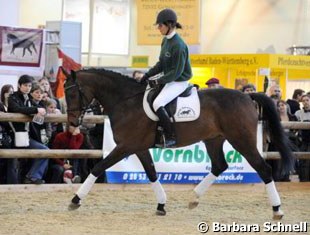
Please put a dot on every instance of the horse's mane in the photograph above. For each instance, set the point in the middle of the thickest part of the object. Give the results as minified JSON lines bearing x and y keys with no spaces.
{"x":108,"y":73}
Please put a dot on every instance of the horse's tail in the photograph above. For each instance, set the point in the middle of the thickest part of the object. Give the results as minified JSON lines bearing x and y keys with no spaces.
{"x":277,"y":134}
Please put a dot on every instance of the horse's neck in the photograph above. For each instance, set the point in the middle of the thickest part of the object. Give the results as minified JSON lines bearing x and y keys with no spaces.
{"x":117,"y":92}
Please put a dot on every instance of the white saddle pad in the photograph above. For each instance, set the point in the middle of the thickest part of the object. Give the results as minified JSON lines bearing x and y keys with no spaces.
{"x":188,"y":108}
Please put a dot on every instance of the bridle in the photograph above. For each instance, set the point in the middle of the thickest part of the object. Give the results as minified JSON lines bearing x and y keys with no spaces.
{"x":84,"y":105}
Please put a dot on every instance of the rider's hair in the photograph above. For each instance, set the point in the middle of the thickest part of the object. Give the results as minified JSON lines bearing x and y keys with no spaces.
{"x":173,"y":24}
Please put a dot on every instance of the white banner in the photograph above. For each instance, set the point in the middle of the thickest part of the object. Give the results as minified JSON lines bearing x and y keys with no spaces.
{"x":180,"y":165}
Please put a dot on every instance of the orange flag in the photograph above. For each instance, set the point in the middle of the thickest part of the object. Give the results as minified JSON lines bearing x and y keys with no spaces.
{"x":68,"y":64}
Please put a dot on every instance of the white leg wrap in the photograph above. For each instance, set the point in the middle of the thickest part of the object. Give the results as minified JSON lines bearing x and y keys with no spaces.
{"x":159,"y":192}
{"x":203,"y":186}
{"x":273,"y":195}
{"x":86,"y":186}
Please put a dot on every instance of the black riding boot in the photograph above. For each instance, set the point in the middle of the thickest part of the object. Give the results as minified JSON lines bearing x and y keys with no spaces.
{"x":170,"y":140}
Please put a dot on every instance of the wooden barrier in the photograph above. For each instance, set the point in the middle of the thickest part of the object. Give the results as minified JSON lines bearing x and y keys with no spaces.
{"x":16,"y":117}
{"x":86,"y":153}
{"x":64,"y":153}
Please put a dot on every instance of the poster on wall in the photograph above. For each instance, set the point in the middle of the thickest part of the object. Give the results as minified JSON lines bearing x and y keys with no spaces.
{"x":185,"y":165}
{"x":21,"y":46}
{"x":188,"y":13}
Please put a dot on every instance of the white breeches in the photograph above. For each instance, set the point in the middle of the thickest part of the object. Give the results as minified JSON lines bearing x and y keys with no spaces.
{"x":170,"y":91}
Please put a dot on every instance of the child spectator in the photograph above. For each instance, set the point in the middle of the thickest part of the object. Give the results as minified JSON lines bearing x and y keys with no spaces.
{"x":70,"y":139}
{"x":48,"y":93}
{"x":52,"y":128}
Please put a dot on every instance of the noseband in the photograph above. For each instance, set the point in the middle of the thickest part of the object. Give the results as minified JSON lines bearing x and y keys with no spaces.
{"x":83,"y":101}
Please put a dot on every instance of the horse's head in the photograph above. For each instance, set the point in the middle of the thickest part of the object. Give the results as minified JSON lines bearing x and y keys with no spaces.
{"x":77,"y":100}
{"x":9,"y":37}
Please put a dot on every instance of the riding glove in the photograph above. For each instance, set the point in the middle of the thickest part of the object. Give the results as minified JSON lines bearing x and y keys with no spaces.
{"x":153,"y":83}
{"x":143,"y":80}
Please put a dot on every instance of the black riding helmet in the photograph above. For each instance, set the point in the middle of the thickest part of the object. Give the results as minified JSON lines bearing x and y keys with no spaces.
{"x":166,"y":15}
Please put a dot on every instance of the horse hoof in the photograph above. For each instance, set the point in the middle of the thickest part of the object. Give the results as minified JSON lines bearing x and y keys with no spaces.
{"x":161,"y":213}
{"x":160,"y":209}
{"x":73,"y":206}
{"x":194,"y":201}
{"x":277,"y":215}
{"x":192,"y":205}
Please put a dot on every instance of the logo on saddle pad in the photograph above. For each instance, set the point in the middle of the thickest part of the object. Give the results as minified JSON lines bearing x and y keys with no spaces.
{"x":181,"y":109}
{"x":185,"y":112}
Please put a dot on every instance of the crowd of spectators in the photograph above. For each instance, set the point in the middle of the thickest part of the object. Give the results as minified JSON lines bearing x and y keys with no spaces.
{"x":35,"y":97}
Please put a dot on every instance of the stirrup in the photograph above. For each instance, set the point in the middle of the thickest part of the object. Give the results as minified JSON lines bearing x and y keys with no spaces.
{"x":169,"y":142}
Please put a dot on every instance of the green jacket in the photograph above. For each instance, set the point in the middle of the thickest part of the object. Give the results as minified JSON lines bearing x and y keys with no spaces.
{"x":173,"y":61}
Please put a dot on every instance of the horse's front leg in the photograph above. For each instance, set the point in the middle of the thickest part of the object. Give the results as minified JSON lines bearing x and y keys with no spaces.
{"x":115,"y":156}
{"x":148,"y":165}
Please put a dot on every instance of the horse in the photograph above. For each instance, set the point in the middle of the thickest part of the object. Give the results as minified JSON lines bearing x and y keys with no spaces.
{"x":226,"y":114}
{"x":25,"y":43}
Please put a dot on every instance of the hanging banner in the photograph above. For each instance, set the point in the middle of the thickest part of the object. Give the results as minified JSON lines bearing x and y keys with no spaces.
{"x":20,"y":46}
{"x":186,"y":165}
{"x":188,"y":12}
{"x":21,"y":51}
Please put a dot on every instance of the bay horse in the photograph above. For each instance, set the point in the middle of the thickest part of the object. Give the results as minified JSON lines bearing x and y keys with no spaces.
{"x":25,"y":43}
{"x":226,"y":114}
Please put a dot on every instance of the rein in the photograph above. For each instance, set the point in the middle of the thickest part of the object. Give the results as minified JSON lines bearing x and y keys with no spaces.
{"x":83,"y":108}
{"x":131,"y":97}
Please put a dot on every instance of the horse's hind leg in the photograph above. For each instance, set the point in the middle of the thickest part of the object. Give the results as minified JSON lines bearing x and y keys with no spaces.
{"x":247,"y":147}
{"x":115,"y":156}
{"x":148,"y":165}
{"x":219,"y":165}
{"x":28,"y":48}
{"x":34,"y":48}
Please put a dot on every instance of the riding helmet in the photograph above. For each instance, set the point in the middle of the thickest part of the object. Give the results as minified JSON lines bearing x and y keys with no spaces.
{"x":166,"y":15}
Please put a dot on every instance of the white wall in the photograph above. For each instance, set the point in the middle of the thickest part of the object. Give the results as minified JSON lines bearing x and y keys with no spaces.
{"x":36,"y":12}
{"x":9,"y":12}
{"x":244,"y":26}
{"x":228,"y":26}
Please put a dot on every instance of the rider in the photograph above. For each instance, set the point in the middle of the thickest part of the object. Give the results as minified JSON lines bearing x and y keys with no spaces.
{"x":174,"y":64}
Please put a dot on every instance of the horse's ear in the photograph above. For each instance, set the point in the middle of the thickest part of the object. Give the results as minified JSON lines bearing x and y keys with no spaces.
{"x":73,"y":74}
{"x":64,"y":72}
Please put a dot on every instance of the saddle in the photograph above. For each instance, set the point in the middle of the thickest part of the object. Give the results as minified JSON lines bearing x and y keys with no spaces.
{"x":184,"y":108}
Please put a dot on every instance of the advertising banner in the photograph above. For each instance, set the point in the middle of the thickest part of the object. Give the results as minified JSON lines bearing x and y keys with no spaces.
{"x":186,"y":165}
{"x":188,"y":13}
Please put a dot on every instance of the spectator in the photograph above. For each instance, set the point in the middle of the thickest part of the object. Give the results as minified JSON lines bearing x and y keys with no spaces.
{"x":303,"y":115}
{"x":275,"y":93}
{"x":284,"y":115}
{"x":19,"y":102}
{"x":48,"y":93}
{"x":213,"y":83}
{"x":71,"y":139}
{"x":296,"y":99}
{"x":38,"y":130}
{"x":249,"y":88}
{"x":52,"y":128}
{"x":8,"y":167}
{"x":137,"y":75}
